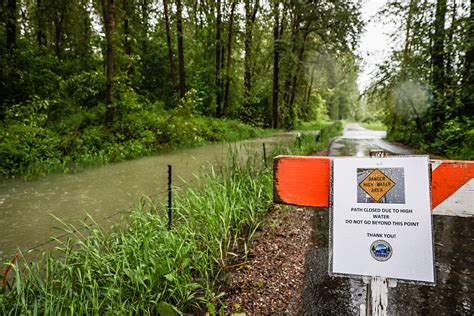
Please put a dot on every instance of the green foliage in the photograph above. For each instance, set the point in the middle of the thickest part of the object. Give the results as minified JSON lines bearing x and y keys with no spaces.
{"x":425,"y":86}
{"x":456,"y":139}
{"x":53,"y":80}
{"x":311,"y":142}
{"x":32,"y":145}
{"x":28,"y":149}
{"x":83,"y":88}
{"x":376,"y":126}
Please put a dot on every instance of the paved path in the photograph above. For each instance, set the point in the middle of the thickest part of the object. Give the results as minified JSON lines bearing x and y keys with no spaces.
{"x":454,"y":255}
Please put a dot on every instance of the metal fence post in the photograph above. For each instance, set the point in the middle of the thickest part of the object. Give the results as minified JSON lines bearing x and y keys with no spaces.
{"x":170,"y":204}
{"x":264,"y":155}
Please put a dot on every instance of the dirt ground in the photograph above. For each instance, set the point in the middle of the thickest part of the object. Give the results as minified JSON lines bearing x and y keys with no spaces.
{"x":270,"y":283}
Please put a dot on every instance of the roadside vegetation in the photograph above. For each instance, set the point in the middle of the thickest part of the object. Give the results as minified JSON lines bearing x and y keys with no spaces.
{"x":147,"y":268}
{"x":375,"y":126}
{"x":424,"y":91}
{"x":31,"y":146}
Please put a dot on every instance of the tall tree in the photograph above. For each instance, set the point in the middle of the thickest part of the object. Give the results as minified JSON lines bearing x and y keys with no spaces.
{"x":11,"y":23}
{"x":41,"y":25}
{"x":179,"y":27}
{"x":278,"y":27}
{"x":467,"y":85}
{"x":145,"y":25}
{"x":297,"y":73}
{"x":230,"y":39}
{"x":127,"y":45}
{"x":250,"y":16}
{"x":60,"y":11}
{"x":438,"y":61}
{"x":169,"y":44}
{"x":108,"y":9}
{"x":126,"y":28}
{"x":219,"y":58}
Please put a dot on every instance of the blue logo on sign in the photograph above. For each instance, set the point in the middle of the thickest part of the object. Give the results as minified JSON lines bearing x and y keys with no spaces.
{"x":381,"y":250}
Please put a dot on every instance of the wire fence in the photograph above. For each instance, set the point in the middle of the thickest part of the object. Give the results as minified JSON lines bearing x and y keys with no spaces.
{"x":153,"y":197}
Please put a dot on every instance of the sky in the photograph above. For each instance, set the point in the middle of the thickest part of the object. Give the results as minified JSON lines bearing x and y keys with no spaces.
{"x":375,"y":44}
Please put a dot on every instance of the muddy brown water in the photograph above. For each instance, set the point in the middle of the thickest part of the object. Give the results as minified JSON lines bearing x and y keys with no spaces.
{"x":454,"y":256}
{"x":28,"y":209}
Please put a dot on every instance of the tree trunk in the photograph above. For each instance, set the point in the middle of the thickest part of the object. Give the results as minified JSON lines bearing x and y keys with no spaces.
{"x":145,"y":18}
{"x":108,"y":8}
{"x":298,"y":70}
{"x":179,"y":26}
{"x":229,"y":58}
{"x":40,"y":35}
{"x":218,"y":59}
{"x":450,"y":72}
{"x":289,"y":91}
{"x":11,"y":24}
{"x":126,"y":34}
{"x":308,"y":95}
{"x":195,"y":13}
{"x":201,"y":14}
{"x":438,"y":46}
{"x":437,"y":57}
{"x":277,"y":33}
{"x":250,"y":16}
{"x":126,"y":37}
{"x":169,"y":44}
{"x":467,"y":87}
{"x":407,"y":48}
{"x":295,"y":29}
{"x":58,"y":29}
{"x":450,"y":52}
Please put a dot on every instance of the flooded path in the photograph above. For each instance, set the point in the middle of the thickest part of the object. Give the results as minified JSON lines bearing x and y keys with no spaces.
{"x":454,"y":255}
{"x":27,"y":208}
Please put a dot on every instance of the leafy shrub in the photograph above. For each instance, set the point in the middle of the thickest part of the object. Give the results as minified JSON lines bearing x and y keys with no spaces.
{"x":50,"y":135}
{"x":25,"y":145}
{"x":455,"y":139}
{"x":84,"y":88}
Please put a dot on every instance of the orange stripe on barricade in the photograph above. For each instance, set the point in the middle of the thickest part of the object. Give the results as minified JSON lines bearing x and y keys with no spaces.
{"x":304,"y":181}
{"x":301,"y":180}
{"x":448,"y":177}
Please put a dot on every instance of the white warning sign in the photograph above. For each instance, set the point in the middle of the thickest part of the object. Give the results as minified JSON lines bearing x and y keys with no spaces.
{"x":381,"y":218}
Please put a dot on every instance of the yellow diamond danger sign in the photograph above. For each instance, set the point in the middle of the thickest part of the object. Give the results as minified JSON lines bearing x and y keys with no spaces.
{"x":377,"y":184}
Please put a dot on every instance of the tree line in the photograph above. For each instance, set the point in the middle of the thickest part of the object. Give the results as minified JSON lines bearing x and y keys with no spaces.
{"x":267,"y":63}
{"x":426,"y":86}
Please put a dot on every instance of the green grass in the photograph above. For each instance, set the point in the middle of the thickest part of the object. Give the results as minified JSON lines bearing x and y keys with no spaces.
{"x":311,"y":143}
{"x":376,"y":126}
{"x":144,"y":268}
{"x":313,"y":125}
{"x":136,"y":269}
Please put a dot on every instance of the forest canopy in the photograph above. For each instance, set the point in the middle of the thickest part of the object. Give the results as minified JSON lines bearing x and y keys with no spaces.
{"x":115,"y":78}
